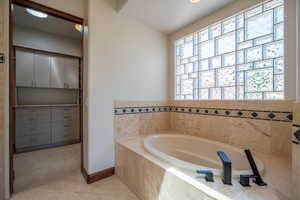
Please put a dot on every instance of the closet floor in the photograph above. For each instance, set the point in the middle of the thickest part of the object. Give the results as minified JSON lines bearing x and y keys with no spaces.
{"x":55,"y":174}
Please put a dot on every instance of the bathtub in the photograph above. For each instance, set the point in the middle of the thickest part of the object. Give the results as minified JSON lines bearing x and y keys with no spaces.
{"x":194,"y":153}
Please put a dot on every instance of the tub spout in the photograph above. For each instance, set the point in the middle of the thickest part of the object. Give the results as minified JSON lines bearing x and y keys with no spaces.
{"x":227,"y":168}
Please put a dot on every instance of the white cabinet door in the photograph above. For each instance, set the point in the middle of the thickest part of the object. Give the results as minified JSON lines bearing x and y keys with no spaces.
{"x":42,"y":68}
{"x":57,"y":72}
{"x":72,"y":73}
{"x":24,"y":69}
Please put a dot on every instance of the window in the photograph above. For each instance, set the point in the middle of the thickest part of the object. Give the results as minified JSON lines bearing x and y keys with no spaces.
{"x":239,"y":58}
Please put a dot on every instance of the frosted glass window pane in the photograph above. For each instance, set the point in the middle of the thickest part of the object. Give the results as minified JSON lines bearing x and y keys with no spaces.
{"x":279,"y":31}
{"x":245,"y":45}
{"x":226,"y":76}
{"x":196,"y":66}
{"x":279,"y":82}
{"x":259,"y":80}
{"x":207,"y":79}
{"x":193,"y":59}
{"x":203,"y":35}
{"x":207,"y":49}
{"x":229,"y":93}
{"x":203,"y":94}
{"x":279,"y":66}
{"x":263,"y":40}
{"x":240,"y":78}
{"x":240,"y":93}
{"x":240,"y":21}
{"x":187,"y":87}
{"x":254,"y":11}
{"x":254,"y":54}
{"x":226,"y":43}
{"x":254,"y":96}
{"x":180,"y":69}
{"x":204,"y":65}
{"x":216,"y":62}
{"x":273,"y":4}
{"x":187,"y":50}
{"x":240,"y":57}
{"x":215,"y":31}
{"x":229,"y":59}
{"x":274,"y":95}
{"x":259,"y":25}
{"x":216,"y":93}
{"x":229,"y":25}
{"x":240,"y":35}
{"x":263,"y":64}
{"x":273,"y":50}
{"x":244,"y":67}
{"x":279,"y":14}
{"x":189,"y":68}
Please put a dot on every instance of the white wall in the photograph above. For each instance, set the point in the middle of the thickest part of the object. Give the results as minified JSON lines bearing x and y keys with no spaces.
{"x":127,"y":61}
{"x":73,"y":7}
{"x":36,"y":39}
{"x":5,"y":14}
{"x":298,"y":50}
{"x":231,"y":9}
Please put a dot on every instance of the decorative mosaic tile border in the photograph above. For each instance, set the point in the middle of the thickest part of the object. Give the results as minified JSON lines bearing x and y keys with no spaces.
{"x":140,"y":110}
{"x":222,"y":112}
{"x":296,"y":128}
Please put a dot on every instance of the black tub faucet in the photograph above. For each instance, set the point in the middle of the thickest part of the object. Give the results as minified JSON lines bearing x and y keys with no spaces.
{"x":227,"y":168}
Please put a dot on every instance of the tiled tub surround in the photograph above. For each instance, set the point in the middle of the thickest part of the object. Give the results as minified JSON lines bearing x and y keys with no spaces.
{"x":296,"y":152}
{"x":263,"y":126}
{"x":153,"y":179}
{"x":140,"y":118}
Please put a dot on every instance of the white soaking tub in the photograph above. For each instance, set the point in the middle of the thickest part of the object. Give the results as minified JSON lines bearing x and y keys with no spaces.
{"x":194,"y":153}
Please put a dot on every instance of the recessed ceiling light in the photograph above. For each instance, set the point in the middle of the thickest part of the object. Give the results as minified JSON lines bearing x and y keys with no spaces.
{"x":36,"y":13}
{"x":195,"y":1}
{"x":78,"y":27}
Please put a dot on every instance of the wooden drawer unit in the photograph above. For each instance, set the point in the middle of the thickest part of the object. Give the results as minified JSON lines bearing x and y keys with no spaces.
{"x":32,"y":115}
{"x":33,"y":140}
{"x":63,"y":131}
{"x":38,"y":127}
{"x":62,"y":114}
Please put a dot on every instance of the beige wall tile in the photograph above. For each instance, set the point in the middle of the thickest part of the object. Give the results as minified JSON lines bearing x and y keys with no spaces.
{"x":271,"y":137}
{"x":296,"y":112}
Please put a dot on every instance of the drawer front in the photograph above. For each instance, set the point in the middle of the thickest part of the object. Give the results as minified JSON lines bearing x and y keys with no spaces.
{"x":63,"y":131}
{"x":62,"y":114}
{"x":32,"y":115}
{"x":25,"y":116}
{"x":43,"y":115}
{"x":23,"y":142}
{"x":41,"y":139}
{"x":33,"y":140}
{"x":36,"y":128}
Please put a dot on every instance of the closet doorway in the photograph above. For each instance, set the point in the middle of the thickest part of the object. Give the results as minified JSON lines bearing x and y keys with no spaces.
{"x":46,"y":70}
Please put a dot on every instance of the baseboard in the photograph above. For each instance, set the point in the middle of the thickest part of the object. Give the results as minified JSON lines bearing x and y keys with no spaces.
{"x":91,"y":178}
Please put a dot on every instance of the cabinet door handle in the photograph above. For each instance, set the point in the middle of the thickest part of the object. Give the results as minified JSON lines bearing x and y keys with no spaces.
{"x":32,"y":83}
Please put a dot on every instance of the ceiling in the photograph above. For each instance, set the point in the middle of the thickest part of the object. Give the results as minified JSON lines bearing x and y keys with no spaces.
{"x":50,"y":24}
{"x":168,"y":16}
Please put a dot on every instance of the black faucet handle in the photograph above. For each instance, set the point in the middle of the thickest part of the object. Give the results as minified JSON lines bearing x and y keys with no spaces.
{"x":209,"y":175}
{"x":258,"y":179}
{"x":227,"y":168}
{"x":245,"y":180}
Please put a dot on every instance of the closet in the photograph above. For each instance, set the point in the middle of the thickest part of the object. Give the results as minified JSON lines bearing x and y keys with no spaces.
{"x":47,"y":92}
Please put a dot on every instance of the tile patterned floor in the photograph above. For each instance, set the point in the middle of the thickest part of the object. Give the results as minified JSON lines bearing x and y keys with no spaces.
{"x":54,"y":174}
